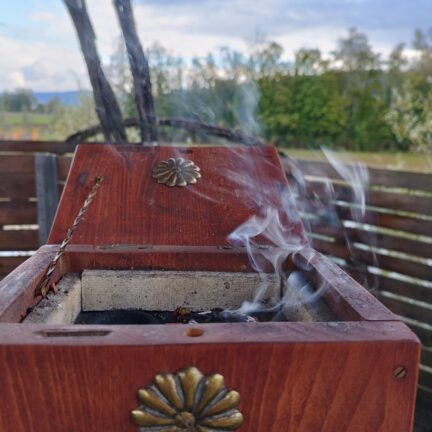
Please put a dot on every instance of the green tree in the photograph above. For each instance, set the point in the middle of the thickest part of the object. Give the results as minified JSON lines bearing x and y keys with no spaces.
{"x":303,"y":108}
{"x":410,"y":118}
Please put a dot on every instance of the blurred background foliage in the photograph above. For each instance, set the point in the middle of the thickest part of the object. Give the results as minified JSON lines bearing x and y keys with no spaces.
{"x":353,"y":99}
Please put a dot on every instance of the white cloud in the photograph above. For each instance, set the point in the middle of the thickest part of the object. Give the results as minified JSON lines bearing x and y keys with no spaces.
{"x":45,"y":54}
{"x":38,"y":65}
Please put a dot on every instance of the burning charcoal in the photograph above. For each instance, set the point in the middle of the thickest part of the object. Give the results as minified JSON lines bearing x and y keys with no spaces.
{"x":182,"y":315}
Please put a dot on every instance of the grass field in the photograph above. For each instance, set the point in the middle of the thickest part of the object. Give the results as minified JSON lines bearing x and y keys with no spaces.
{"x":36,"y":126}
{"x":395,"y":161}
{"x":23,"y":119}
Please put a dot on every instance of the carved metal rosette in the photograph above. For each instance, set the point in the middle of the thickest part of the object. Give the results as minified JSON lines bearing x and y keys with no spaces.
{"x":176,"y":172}
{"x":187,"y":402}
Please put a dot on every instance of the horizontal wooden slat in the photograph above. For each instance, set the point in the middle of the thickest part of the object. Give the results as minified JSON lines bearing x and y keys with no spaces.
{"x":328,"y":248}
{"x":7,"y":264}
{"x":426,"y":357}
{"x":17,"y":186}
{"x":335,"y":231}
{"x":401,"y":202}
{"x":363,"y":277}
{"x":389,"y":263}
{"x":17,"y":212}
{"x":399,"y":265}
{"x":17,"y":163}
{"x":380,"y":177}
{"x":424,"y":334}
{"x":59,"y":147}
{"x":424,"y":409}
{"x":398,"y":244}
{"x":425,"y":379}
{"x":392,"y":221}
{"x":387,"y":200}
{"x":63,"y":165}
{"x":338,"y":213}
{"x":406,"y":289}
{"x":384,"y":241}
{"x":408,"y":310}
{"x":19,"y":240}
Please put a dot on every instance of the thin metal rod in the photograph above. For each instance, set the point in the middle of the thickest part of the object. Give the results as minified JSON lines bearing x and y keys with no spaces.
{"x":107,"y":108}
{"x":140,"y":73}
{"x":186,"y":124}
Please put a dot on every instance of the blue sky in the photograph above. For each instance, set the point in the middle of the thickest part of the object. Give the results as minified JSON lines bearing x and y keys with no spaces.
{"x":38,"y":46}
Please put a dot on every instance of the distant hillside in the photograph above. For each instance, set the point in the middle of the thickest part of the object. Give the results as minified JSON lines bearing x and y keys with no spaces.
{"x":66,"y":97}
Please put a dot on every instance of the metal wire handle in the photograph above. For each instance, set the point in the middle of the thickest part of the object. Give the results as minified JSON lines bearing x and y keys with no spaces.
{"x":44,"y":285}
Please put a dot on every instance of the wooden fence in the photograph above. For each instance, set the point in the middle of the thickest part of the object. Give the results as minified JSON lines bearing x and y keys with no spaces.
{"x":387,"y":248}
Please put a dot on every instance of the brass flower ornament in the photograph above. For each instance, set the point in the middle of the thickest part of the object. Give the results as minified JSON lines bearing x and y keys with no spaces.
{"x":187,"y":402}
{"x":176,"y":172}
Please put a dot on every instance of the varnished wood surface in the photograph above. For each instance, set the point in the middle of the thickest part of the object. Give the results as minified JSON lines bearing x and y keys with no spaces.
{"x":380,"y":177}
{"x":17,"y":288}
{"x":286,"y":382}
{"x":347,"y":298}
{"x":132,"y":208}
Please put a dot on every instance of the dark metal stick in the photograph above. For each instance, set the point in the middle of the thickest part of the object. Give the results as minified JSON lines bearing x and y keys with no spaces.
{"x":107,"y":107}
{"x":140,"y":73}
{"x":189,"y":125}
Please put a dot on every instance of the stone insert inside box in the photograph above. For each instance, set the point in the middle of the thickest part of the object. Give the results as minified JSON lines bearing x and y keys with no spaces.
{"x":139,"y":290}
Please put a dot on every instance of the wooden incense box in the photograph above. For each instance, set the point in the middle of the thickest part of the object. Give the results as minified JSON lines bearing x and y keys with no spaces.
{"x":341,"y":362}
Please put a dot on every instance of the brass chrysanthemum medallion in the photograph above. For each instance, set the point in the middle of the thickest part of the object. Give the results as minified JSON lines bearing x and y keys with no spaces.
{"x":187,"y":402}
{"x":176,"y":172}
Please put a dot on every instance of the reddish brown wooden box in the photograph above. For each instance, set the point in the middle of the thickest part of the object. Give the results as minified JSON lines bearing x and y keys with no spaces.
{"x":292,"y":376}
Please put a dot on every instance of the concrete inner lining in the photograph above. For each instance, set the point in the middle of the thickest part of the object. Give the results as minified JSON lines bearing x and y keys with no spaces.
{"x":106,"y":290}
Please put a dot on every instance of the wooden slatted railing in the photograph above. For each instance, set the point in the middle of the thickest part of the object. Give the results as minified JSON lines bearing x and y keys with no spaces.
{"x":388,"y":248}
{"x":397,"y":224}
{"x":19,"y":233}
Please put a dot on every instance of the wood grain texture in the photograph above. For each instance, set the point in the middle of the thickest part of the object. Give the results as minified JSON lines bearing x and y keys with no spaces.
{"x":379,"y":177}
{"x":394,"y":243}
{"x":343,"y":234}
{"x":17,"y":163}
{"x":9,"y":263}
{"x":286,"y":384}
{"x":63,"y":166}
{"x":377,"y":198}
{"x":426,"y":357}
{"x":59,"y":147}
{"x":17,"y":185}
{"x":17,"y":288}
{"x":407,"y":309}
{"x":18,"y":212}
{"x":392,"y":221}
{"x":406,"y":289}
{"x":398,"y":265}
{"x":344,"y":295}
{"x":17,"y":240}
{"x":132,"y":208}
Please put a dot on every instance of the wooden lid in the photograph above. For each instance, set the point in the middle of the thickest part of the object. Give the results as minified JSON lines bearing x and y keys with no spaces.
{"x":131,"y":208}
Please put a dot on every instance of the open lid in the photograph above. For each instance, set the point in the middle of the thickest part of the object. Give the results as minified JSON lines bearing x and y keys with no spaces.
{"x":132,"y":208}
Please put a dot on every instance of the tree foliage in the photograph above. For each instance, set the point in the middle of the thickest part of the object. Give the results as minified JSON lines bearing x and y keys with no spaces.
{"x":353,"y":99}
